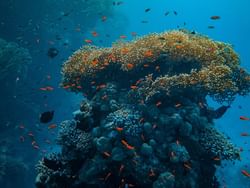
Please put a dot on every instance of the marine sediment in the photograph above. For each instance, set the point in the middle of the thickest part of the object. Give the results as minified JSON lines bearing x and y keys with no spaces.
{"x":144,"y":120}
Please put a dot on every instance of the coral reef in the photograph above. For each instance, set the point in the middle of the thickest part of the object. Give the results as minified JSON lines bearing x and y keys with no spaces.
{"x":145,"y":121}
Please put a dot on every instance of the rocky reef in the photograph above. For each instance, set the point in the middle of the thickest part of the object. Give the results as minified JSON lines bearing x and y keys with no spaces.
{"x":144,"y":120}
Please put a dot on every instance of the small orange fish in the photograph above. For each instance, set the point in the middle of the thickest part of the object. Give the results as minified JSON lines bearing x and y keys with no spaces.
{"x":146,"y":65}
{"x":123,"y":36}
{"x":154,"y":126}
{"x":215,"y":17}
{"x":133,"y":34}
{"x":178,"y":46}
{"x":66,"y":87}
{"x":177,"y":105}
{"x":158,"y":104}
{"x":244,"y":118}
{"x":107,"y":176}
{"x":79,"y":87}
{"x":52,"y":126}
{"x":151,"y":173}
{"x":21,"y":127}
{"x":49,"y":88}
{"x":187,"y":166}
{"x":133,"y":87}
{"x":244,"y":134}
{"x":245,"y":173}
{"x":104,"y":18}
{"x":104,"y":97}
{"x":43,"y":89}
{"x":102,"y":86}
{"x":30,"y":134}
{"x":157,"y":68}
{"x":36,"y":147}
{"x":216,"y":159}
{"x":88,"y":41}
{"x":129,"y":147}
{"x":148,"y":53}
{"x":95,"y":62}
{"x":121,"y":168}
{"x":119,"y":129}
{"x":94,"y":34}
{"x":106,"y":154}
{"x":130,"y":66}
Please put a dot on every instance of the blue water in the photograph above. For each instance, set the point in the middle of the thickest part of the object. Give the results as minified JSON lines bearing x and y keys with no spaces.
{"x":40,"y":26}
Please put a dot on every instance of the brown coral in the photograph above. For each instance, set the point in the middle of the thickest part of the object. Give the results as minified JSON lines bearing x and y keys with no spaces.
{"x":185,"y":60}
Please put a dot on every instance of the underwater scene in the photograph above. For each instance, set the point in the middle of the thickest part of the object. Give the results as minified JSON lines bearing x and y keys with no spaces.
{"x":124,"y":94}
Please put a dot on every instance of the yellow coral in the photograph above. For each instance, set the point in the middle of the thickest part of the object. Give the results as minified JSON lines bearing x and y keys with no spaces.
{"x":184,"y":58}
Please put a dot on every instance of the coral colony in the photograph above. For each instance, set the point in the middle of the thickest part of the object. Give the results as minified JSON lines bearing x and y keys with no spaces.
{"x":144,"y":120}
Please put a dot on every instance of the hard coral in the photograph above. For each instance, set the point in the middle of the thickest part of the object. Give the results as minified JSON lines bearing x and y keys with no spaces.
{"x":209,"y":64}
{"x":146,"y":122}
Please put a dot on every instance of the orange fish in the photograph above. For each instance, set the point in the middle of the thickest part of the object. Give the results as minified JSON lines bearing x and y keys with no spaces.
{"x":107,"y":176}
{"x":178,"y":46}
{"x":133,"y":34}
{"x":146,"y":65}
{"x":36,"y":147}
{"x":30,"y":134}
{"x":215,"y":17}
{"x":52,"y":126}
{"x":151,"y":173}
{"x":244,"y":118}
{"x":94,"y":34}
{"x":21,"y":127}
{"x":177,"y":105}
{"x":119,"y":129}
{"x":130,"y":66}
{"x":216,"y":158}
{"x":88,"y":41}
{"x":154,"y":126}
{"x":95,"y":62}
{"x":49,"y":88}
{"x":123,"y":36}
{"x":121,"y":168}
{"x":79,"y":87}
{"x":245,"y":173}
{"x":244,"y":134}
{"x":101,"y":86}
{"x":158,"y":104}
{"x":133,"y":87}
{"x":187,"y":166}
{"x":148,"y":53}
{"x":104,"y":18}
{"x":66,"y":87}
{"x":157,"y":68}
{"x":104,"y":97}
{"x":129,"y":147}
{"x":106,"y":154}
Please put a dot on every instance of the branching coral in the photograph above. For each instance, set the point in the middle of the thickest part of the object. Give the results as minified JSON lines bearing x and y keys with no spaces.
{"x":205,"y":64}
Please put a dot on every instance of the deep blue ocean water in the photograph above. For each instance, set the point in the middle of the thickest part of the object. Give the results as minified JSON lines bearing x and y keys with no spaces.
{"x":64,"y":25}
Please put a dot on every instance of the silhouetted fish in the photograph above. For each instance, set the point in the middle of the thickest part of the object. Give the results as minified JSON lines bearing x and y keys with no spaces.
{"x":219,"y":112}
{"x":52,"y":52}
{"x":46,"y":117}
